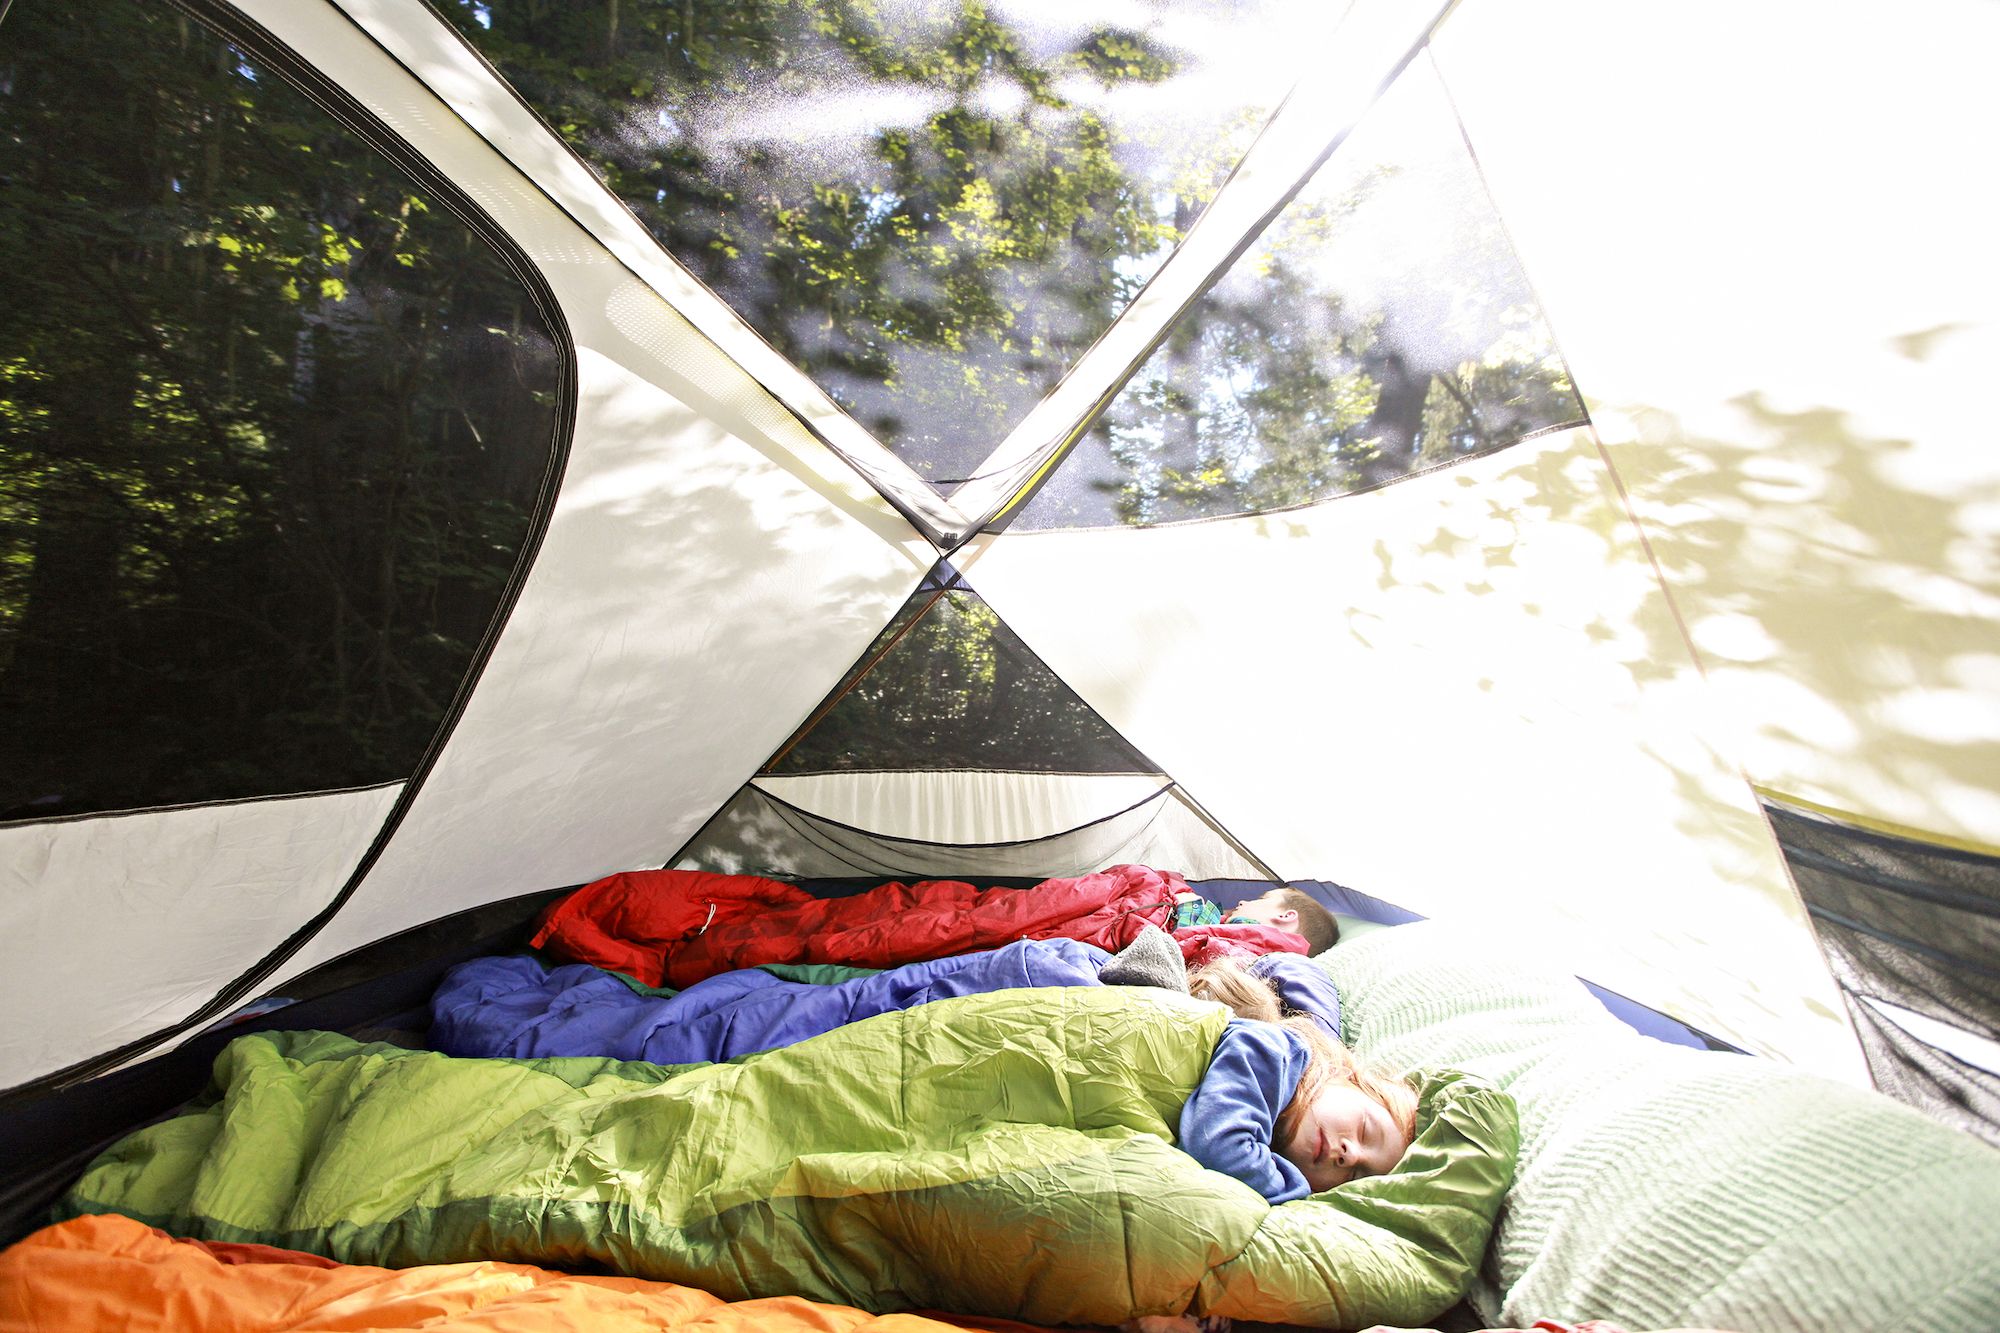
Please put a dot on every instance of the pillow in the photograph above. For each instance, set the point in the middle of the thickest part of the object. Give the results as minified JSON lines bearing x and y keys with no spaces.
{"x":1663,"y":1186}
{"x":1354,"y":927}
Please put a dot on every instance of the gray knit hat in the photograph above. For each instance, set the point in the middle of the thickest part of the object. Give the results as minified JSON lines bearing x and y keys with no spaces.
{"x":1153,"y":959}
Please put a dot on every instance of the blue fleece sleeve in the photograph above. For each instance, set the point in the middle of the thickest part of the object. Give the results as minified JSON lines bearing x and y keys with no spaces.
{"x":1302,"y":988}
{"x":1227,"y":1123}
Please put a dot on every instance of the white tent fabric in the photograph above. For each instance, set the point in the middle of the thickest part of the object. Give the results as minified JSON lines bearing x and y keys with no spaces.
{"x":762,"y":832}
{"x":1465,"y":694}
{"x":965,"y":807}
{"x":125,"y":924}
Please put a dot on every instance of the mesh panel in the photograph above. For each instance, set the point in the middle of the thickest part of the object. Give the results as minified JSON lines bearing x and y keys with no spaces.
{"x":965,"y":807}
{"x":1379,"y":327}
{"x":1916,"y":926}
{"x":931,"y":207}
{"x":760,"y":835}
{"x":1911,"y":1070}
{"x":275,"y":422}
{"x":947,"y":685}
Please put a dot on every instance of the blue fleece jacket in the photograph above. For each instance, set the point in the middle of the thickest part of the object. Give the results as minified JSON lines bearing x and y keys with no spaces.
{"x":1228,"y":1123}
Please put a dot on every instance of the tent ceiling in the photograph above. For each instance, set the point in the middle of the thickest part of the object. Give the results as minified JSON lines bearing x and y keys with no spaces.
{"x":1480,"y":692}
{"x":1366,"y":46}
{"x":452,"y":71}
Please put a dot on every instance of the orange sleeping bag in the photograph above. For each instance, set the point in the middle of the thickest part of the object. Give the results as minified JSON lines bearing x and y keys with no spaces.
{"x":112,"y":1273}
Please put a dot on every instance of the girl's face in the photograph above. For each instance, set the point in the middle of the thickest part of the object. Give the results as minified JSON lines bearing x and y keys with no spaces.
{"x":1344,"y":1135}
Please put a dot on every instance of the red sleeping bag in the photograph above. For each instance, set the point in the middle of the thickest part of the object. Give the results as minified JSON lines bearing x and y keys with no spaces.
{"x":677,"y":927}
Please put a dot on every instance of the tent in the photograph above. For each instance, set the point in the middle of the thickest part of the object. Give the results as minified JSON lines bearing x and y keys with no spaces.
{"x":1512,"y":458}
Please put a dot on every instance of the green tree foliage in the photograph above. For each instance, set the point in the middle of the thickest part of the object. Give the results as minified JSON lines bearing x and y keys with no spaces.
{"x":947,"y":685}
{"x":1380,"y":326}
{"x":273,"y":421}
{"x":931,"y":206}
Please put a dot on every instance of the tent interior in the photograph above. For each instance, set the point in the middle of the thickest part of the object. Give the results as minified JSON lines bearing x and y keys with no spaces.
{"x":1508,"y":465}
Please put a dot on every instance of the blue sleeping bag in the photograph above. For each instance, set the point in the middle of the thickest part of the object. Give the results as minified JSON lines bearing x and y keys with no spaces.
{"x":519,"y":1007}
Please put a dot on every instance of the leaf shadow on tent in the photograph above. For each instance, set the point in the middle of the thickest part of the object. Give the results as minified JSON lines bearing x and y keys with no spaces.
{"x":1492,"y":653}
{"x":657,"y":349}
{"x":1836,"y":608}
{"x":1837,"y":605}
{"x":1842,"y":609}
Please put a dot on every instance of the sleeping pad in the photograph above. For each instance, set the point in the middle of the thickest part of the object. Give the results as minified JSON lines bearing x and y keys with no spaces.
{"x":677,"y":927}
{"x":1006,"y":1154}
{"x":518,"y":1006}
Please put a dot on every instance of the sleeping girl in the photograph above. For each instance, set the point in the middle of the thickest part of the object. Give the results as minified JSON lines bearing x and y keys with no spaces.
{"x":1284,"y":1107}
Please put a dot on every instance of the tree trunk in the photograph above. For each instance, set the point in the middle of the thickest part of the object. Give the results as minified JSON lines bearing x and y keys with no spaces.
{"x":64,"y":672}
{"x":1397,"y":421}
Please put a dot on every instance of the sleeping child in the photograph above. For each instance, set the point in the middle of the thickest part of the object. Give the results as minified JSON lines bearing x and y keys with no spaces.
{"x":1283,"y":1106}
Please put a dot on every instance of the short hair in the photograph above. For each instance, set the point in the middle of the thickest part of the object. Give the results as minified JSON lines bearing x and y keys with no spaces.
{"x":1321,"y":931}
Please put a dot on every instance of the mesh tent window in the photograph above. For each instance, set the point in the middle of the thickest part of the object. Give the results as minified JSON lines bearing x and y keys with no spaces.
{"x":278,"y":423}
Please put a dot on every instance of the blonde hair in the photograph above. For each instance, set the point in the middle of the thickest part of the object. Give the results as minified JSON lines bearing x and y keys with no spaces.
{"x":1226,"y":981}
{"x":1331,"y":1062}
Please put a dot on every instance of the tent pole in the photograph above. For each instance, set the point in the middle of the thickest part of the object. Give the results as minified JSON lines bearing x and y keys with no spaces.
{"x":1195,"y":808}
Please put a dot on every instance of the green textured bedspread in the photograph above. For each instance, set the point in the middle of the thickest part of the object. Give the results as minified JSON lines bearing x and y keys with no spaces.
{"x":1007,"y":1154}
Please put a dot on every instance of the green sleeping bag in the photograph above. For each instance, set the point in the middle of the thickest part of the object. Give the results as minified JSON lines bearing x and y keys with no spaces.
{"x":1006,"y":1154}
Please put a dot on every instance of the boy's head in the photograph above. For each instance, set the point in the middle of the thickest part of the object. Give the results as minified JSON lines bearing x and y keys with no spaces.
{"x":1290,"y":909}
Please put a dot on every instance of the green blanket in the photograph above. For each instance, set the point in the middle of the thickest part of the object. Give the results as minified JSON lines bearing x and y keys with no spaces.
{"x":1008,"y":1154}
